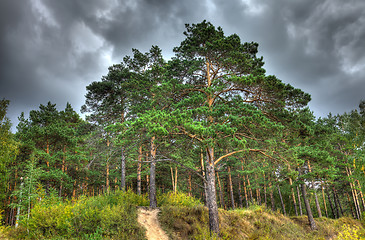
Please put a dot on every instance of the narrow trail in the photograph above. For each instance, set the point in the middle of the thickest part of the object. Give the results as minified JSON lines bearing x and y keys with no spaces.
{"x":148,"y":219}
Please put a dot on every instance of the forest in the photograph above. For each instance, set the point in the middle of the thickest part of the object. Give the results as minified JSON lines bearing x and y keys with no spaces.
{"x":208,"y":123}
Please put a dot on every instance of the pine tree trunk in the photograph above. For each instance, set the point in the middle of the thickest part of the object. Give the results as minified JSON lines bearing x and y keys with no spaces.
{"x":221,"y":198}
{"x":273,"y":208}
{"x":203,"y":173}
{"x":172,"y":180}
{"x":231,"y":187}
{"x":293,"y":197}
{"x":299,"y":202}
{"x":122,"y":170}
{"x":281,"y":200}
{"x":331,"y":205}
{"x":244,"y":185}
{"x":153,"y":200}
{"x":324,"y":200}
{"x":336,"y":203}
{"x":240,"y":192}
{"x":350,"y":204}
{"x":339,"y":203}
{"x":317,"y":205}
{"x":107,"y":177}
{"x":212,"y":199}
{"x":315,"y":193}
{"x":311,"y":221}
{"x":249,"y":189}
{"x":139,"y":170}
{"x":258,"y":194}
{"x":175,"y":179}
{"x":354,"y":194}
{"x":361,"y":195}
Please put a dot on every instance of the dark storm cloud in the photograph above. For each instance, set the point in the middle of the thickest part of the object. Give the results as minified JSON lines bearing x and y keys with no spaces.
{"x":51,"y":50}
{"x":314,"y":45}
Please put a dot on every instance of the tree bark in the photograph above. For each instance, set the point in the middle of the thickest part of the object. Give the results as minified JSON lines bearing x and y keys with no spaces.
{"x":212,"y":199}
{"x":350,"y":204}
{"x":293,"y":197}
{"x":249,"y":189}
{"x":299,"y":202}
{"x":336,"y":203}
{"x":139,"y":170}
{"x":175,"y":179}
{"x":107,"y":177}
{"x":203,"y":173}
{"x":172,"y":180}
{"x":240,"y":192}
{"x":281,"y":200}
{"x":231,"y":187}
{"x":311,"y":221}
{"x":153,"y":200}
{"x":221,"y":198}
{"x":315,"y":193}
{"x":354,"y":194}
{"x":244,"y":185}
{"x":324,"y":200}
{"x":122,"y":170}
{"x":272,"y":198}
{"x":317,"y":205}
{"x":331,"y":205}
{"x":361,"y":195}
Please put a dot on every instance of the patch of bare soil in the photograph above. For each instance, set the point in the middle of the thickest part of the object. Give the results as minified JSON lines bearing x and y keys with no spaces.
{"x":148,"y":219}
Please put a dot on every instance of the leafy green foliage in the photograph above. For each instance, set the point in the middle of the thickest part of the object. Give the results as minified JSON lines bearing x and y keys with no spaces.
{"x":110,"y":216}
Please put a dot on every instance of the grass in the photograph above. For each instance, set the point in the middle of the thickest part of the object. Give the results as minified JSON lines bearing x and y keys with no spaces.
{"x":255,"y":223}
{"x":114,"y":216}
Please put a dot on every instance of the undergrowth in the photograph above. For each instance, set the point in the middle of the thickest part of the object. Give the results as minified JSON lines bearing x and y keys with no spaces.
{"x":114,"y":216}
{"x":256,"y":222}
{"x":110,"y":216}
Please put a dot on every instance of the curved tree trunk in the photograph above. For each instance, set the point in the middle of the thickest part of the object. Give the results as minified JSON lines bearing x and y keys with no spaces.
{"x":311,"y":221}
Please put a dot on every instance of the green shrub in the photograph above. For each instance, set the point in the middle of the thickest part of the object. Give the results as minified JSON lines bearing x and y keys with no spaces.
{"x":106,"y":216}
{"x":177,"y":199}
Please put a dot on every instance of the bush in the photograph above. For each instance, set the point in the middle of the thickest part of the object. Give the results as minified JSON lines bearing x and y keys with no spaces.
{"x":106,"y":216}
{"x":177,"y":199}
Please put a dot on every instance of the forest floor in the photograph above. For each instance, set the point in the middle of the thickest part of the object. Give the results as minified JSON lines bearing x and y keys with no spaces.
{"x":148,"y":218}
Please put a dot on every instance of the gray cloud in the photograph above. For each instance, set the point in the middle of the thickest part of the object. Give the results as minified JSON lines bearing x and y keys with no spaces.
{"x":51,"y":50}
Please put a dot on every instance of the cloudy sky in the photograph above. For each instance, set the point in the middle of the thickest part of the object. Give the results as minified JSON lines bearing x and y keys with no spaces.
{"x":50,"y":50}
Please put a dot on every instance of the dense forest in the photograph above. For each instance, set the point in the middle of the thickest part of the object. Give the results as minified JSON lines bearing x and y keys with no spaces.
{"x":208,"y":122}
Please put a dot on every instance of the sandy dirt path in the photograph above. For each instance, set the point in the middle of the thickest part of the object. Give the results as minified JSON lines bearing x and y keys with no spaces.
{"x":148,"y":219}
